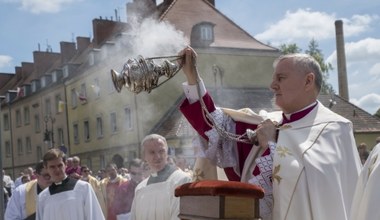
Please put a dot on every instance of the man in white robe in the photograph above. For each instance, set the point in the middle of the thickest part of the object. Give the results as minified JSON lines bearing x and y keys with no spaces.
{"x":367,"y":194}
{"x":313,"y":151}
{"x":154,"y":197}
{"x":66,"y":198}
{"x":22,"y":204}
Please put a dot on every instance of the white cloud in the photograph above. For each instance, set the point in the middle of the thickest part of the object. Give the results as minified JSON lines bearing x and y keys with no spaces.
{"x":375,"y":70}
{"x":5,"y":61}
{"x":358,"y":24}
{"x":305,"y":24}
{"x":370,"y":102}
{"x":41,"y":6}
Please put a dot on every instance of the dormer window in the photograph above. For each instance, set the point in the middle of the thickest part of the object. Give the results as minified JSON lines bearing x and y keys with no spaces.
{"x":202,"y":34}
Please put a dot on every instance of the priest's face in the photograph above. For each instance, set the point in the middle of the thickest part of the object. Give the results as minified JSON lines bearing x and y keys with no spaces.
{"x":56,"y":169}
{"x":291,"y":86}
{"x":155,"y":154}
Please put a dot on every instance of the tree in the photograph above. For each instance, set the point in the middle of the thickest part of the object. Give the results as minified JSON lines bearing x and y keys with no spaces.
{"x":315,"y":52}
{"x":377,"y":114}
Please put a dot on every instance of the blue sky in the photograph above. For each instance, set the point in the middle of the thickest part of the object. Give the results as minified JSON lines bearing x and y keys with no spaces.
{"x":27,"y":25}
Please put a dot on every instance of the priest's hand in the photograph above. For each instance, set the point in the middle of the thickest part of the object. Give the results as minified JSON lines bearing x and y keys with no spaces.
{"x":189,"y":64}
{"x":266,"y":132}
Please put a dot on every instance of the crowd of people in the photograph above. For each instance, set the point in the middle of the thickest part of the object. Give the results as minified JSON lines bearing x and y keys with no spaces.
{"x":61,"y":187}
{"x":304,"y":157}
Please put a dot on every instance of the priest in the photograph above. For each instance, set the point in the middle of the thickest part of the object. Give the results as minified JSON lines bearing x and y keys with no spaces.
{"x":154,"y":196}
{"x":305,"y":154}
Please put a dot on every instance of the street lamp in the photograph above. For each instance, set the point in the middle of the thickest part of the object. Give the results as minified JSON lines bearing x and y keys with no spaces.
{"x":47,"y":132}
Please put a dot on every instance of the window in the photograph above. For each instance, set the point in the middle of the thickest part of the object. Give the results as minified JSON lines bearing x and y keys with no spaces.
{"x":128,"y":118}
{"x":206,"y":33}
{"x":37,"y":123}
{"x":66,"y":71}
{"x":6,"y":122}
{"x":76,"y":133}
{"x":99,"y":127}
{"x":28,"y":145}
{"x":74,"y":98}
{"x":26,"y":115}
{"x":86,"y":130}
{"x":83,"y":93}
{"x":58,"y":104}
{"x":18,"y":118}
{"x":7,"y":149}
{"x":61,"y":140}
{"x":113,"y":122}
{"x":39,"y":153}
{"x":102,"y":161}
{"x":47,"y":106}
{"x":96,"y":87}
{"x":20,"y":149}
{"x":202,"y":34}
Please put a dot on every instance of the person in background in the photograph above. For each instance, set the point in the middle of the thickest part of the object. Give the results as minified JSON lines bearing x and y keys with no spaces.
{"x":365,"y":202}
{"x":109,"y":186}
{"x":305,"y":154}
{"x":101,"y":174}
{"x":95,"y":184}
{"x":9,"y":185}
{"x":154,"y":196}
{"x":22,"y":204}
{"x":363,"y":152}
{"x":75,"y":170}
{"x":126,"y":191}
{"x":66,"y":198}
{"x":25,"y":178}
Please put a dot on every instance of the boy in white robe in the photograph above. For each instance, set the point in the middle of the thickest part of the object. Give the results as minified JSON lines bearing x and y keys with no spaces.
{"x":22,"y":204}
{"x":66,"y":198}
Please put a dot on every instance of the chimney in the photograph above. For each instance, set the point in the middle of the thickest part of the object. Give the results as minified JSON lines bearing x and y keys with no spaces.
{"x":138,"y":10}
{"x":212,"y":2}
{"x":104,"y":29}
{"x":44,"y":61}
{"x":341,"y":60}
{"x":27,"y":69}
{"x":67,"y":51}
{"x":82,"y":43}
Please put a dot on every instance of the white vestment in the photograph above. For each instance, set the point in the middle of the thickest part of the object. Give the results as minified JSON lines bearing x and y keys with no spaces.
{"x":16,"y":208}
{"x":79,"y":203}
{"x":157,"y":201}
{"x":367,"y":194}
{"x":315,"y":168}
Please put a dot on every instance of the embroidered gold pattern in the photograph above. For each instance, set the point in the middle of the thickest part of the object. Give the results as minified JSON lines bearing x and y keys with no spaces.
{"x":198,"y":174}
{"x":283,"y":151}
{"x":372,"y":165}
{"x":276,"y":170}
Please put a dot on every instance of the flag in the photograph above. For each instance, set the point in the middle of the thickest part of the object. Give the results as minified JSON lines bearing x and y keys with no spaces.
{"x":82,"y":98}
{"x":61,"y":106}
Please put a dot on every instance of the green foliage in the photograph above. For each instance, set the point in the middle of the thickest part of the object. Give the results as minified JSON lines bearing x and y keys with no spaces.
{"x":377,"y":114}
{"x":315,"y":52}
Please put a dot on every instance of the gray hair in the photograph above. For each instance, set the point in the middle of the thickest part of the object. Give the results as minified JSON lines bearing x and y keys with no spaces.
{"x":152,"y":137}
{"x":306,"y":64}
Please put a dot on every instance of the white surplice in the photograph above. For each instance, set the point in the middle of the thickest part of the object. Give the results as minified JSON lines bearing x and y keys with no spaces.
{"x":157,"y":201}
{"x":79,"y":203}
{"x":16,"y":208}
{"x":367,"y":194}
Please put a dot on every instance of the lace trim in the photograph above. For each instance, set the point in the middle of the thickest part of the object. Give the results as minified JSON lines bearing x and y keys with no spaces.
{"x":264,"y":179}
{"x":221,"y":151}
